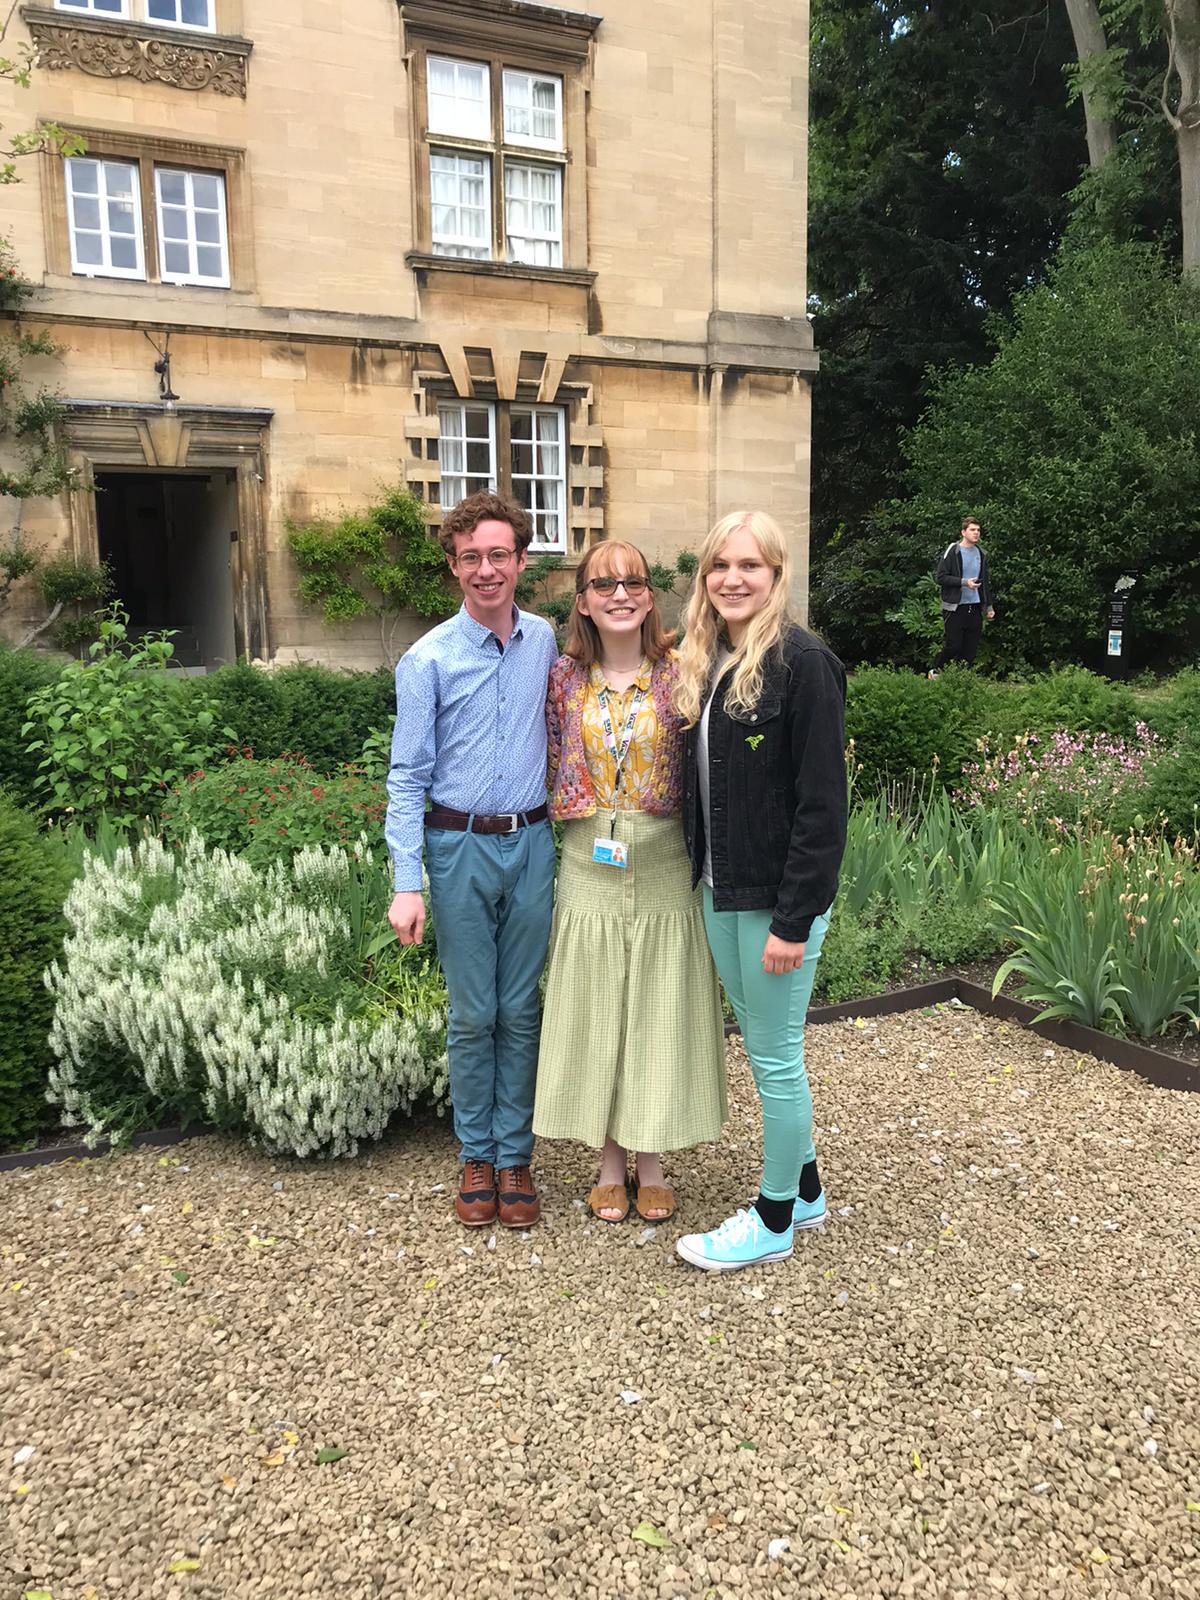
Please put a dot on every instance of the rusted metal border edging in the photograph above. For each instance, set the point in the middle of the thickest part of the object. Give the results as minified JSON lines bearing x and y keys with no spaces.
{"x":16,"y":1159}
{"x":886,"y":1005}
{"x":1155,"y":1066}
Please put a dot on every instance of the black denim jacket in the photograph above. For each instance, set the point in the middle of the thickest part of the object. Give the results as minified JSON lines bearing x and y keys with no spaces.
{"x":777,"y":791}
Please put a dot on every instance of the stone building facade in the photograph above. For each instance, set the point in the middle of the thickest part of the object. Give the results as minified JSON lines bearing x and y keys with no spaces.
{"x":445,"y":241}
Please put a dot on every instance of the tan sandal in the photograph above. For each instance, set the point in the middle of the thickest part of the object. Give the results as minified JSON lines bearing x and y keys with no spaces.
{"x":609,"y":1197}
{"x":654,"y":1197}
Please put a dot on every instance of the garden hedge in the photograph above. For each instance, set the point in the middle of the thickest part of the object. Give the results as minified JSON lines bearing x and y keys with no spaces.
{"x":21,"y":673}
{"x":33,"y":882}
{"x":305,"y":710}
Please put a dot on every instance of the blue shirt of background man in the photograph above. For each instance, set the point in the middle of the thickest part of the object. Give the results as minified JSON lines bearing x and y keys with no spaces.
{"x":470,"y":728}
{"x":971,"y":569}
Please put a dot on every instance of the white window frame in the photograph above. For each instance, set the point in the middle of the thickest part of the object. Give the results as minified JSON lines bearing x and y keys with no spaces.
{"x":457,"y":129}
{"x":193,"y":276}
{"x":530,"y":141}
{"x":468,"y":247}
{"x":89,"y":8}
{"x":106,"y":269}
{"x":455,"y":411}
{"x":538,"y":543}
{"x":187,"y":27}
{"x":531,"y":235}
{"x":455,"y":484}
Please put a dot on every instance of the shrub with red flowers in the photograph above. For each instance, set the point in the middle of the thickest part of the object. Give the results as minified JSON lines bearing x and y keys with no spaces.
{"x":267,"y":810}
{"x":1062,"y":779}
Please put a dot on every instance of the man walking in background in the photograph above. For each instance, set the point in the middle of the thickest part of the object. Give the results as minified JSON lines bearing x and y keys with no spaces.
{"x":470,"y":737}
{"x":962,"y":576}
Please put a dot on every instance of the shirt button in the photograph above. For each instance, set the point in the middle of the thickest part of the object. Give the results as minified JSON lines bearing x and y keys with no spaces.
{"x":754,"y":716}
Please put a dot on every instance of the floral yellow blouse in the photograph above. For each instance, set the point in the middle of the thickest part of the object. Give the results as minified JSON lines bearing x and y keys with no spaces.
{"x":639,"y":762}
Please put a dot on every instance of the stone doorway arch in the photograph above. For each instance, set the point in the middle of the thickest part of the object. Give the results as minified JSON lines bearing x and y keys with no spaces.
{"x":114,"y":435}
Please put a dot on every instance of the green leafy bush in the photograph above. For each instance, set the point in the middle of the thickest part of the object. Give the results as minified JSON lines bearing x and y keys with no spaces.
{"x":1079,"y":701}
{"x":1173,"y":788}
{"x":306,"y":710}
{"x":861,"y":954}
{"x":267,"y":810}
{"x":954,"y":932}
{"x":262,"y":1001}
{"x":1076,"y":446}
{"x":33,"y":881}
{"x":330,"y":713}
{"x":1174,"y":710}
{"x":115,"y":732}
{"x":376,"y":754}
{"x":22,"y":672}
{"x":381,"y":562}
{"x":901,"y":723}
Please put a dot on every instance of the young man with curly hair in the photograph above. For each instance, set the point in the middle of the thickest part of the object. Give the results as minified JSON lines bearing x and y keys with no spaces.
{"x":470,"y":738}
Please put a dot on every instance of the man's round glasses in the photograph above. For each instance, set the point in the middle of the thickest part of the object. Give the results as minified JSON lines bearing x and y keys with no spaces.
{"x":470,"y":559}
{"x":631,"y":586}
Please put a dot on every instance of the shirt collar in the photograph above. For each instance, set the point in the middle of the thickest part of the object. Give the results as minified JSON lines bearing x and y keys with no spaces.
{"x":642,"y":681}
{"x":481,"y":635}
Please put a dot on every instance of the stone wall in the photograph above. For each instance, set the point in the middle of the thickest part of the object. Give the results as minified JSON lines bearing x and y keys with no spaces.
{"x":678,"y":343}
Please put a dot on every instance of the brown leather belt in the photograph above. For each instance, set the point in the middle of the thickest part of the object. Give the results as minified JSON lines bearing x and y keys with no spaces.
{"x":463,"y":822}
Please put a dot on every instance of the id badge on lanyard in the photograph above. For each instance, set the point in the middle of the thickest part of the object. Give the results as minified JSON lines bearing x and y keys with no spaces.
{"x":610,"y":852}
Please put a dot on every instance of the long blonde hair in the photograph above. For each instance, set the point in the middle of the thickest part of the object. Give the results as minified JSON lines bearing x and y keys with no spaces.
{"x":704,"y":632}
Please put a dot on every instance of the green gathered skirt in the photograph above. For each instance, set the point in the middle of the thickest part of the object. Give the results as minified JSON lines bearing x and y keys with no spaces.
{"x":632,"y":1042}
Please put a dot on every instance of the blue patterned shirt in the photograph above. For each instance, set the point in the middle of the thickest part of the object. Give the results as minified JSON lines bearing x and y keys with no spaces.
{"x":470,"y":728}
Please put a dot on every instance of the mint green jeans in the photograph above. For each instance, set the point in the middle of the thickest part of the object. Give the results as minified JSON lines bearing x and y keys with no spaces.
{"x":771,"y":1009}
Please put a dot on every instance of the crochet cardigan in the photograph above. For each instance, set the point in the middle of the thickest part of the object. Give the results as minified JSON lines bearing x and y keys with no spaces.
{"x":568,"y":780}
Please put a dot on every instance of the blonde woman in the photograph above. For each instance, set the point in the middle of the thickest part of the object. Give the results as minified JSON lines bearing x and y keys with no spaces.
{"x":764,"y":814}
{"x":632,"y":1050}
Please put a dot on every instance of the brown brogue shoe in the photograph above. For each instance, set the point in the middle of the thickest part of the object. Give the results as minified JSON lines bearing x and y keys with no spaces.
{"x":519,"y":1204}
{"x":475,"y":1203}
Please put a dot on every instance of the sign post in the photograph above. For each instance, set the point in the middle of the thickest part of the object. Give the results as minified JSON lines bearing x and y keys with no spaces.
{"x":1120,"y":615}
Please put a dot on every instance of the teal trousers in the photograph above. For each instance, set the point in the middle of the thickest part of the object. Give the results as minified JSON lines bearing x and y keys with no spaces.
{"x":493,"y":900}
{"x":771,"y":1011}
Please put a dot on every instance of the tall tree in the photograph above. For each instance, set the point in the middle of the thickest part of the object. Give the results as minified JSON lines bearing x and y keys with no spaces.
{"x":1137,"y":59}
{"x":1076,"y":443}
{"x":1091,"y":46}
{"x":1181,"y":107}
{"x":943,"y":153}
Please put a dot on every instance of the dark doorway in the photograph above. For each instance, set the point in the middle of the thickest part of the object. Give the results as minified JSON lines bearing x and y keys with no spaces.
{"x":170,"y":539}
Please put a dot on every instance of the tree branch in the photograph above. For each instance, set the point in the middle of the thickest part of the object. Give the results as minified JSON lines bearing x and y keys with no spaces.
{"x":1091,"y":43}
{"x":1172,"y":57}
{"x":40,"y":628}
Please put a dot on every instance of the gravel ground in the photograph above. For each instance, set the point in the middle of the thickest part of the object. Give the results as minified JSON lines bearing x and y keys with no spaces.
{"x":980,"y":1379}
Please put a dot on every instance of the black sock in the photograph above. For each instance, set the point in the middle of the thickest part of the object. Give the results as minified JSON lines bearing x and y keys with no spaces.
{"x":810,"y":1182}
{"x":776,"y":1214}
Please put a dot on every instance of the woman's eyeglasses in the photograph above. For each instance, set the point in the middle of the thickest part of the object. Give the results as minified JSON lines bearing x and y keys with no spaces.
{"x":632,"y":586}
{"x":470,"y":559}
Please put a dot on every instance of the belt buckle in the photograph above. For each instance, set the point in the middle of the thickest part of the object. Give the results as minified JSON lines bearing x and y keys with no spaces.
{"x":514,"y":820}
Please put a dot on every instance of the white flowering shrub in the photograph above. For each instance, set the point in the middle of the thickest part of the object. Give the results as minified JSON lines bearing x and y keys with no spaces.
{"x":269,"y":1001}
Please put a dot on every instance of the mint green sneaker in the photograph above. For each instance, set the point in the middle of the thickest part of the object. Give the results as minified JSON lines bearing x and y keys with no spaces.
{"x":809,"y":1213}
{"x":743,"y":1240}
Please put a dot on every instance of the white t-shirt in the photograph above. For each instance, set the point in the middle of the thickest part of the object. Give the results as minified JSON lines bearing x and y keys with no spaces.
{"x":702,"y":769}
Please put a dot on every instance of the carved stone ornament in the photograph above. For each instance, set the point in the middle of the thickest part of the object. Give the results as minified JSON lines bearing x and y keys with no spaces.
{"x":114,"y":50}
